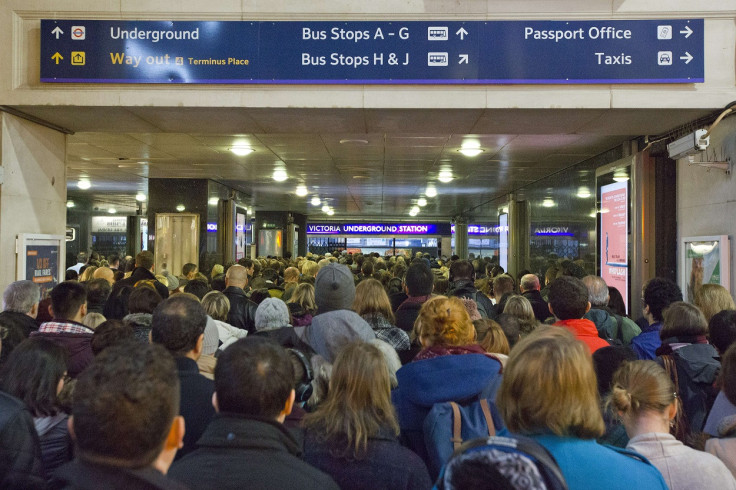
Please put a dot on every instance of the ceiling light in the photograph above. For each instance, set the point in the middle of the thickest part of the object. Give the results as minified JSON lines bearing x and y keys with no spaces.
{"x":414,"y":211}
{"x":180,"y":208}
{"x":354,"y":142}
{"x":315,"y":201}
{"x":112,"y":210}
{"x":445,"y":176}
{"x":422,"y":202}
{"x":330,"y":212}
{"x":583,"y":192}
{"x":70,"y":204}
{"x":431,"y":191}
{"x":279,"y":175}
{"x":140,"y":197}
{"x":241,"y":151}
{"x":593,"y":214}
{"x":620,"y":176}
{"x":84,"y":184}
{"x":213,"y":201}
{"x":325,"y":209}
{"x":505,"y":209}
{"x":471,"y":152}
{"x":301,"y":190}
{"x":548,"y":202}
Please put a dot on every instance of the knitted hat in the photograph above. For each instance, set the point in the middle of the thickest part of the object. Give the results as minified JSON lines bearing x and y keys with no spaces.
{"x":272,"y":313}
{"x":211,"y":337}
{"x":330,"y":332}
{"x":172,"y":279}
{"x":334,"y":288}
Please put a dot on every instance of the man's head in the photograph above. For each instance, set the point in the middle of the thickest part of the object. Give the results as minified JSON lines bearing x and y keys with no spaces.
{"x":189,"y":271}
{"x":98,"y":290}
{"x":529,"y":282}
{"x":597,"y":290}
{"x":658,"y":295}
{"x":291,"y":275}
{"x":249,"y":265}
{"x":461,"y":269}
{"x":254,"y":376}
{"x":69,"y":301}
{"x":125,"y":407}
{"x":114,"y":261}
{"x":419,"y":280}
{"x":178,"y":324}
{"x":334,"y":288}
{"x":104,"y":273}
{"x":22,"y":297}
{"x":502,"y":284}
{"x":144,"y":259}
{"x":236,"y":276}
{"x":568,"y":298}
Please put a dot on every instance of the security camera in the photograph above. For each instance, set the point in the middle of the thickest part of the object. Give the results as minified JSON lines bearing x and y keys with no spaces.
{"x":688,"y":145}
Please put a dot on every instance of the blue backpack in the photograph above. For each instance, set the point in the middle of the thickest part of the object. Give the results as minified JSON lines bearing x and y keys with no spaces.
{"x":449,"y":424}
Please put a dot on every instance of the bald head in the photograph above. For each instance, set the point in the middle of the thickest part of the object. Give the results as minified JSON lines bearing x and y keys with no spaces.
{"x":529,"y":282}
{"x":291,"y":274}
{"x":597,"y":290}
{"x":104,"y":273}
{"x":237,"y":276}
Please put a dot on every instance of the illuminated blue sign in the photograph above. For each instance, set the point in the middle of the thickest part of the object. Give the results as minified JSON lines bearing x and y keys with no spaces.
{"x":553,"y":231}
{"x":483,"y":229}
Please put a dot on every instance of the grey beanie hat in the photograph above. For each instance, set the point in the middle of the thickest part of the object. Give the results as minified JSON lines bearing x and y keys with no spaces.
{"x":330,"y":332}
{"x":272,"y":313}
{"x":334,"y":288}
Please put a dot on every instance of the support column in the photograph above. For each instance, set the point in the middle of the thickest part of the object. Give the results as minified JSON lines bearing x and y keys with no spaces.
{"x":519,"y":225}
{"x":461,"y":237}
{"x":33,"y":190}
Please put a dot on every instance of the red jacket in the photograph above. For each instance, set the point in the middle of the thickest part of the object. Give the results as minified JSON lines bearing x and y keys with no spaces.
{"x":585,"y":331}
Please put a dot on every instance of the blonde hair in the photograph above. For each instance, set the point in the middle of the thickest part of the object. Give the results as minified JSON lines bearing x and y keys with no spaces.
{"x":520,"y":307}
{"x":640,"y":386}
{"x":310,"y":268}
{"x":358,"y":404}
{"x":217,"y":305}
{"x":681,"y":319}
{"x":304,"y":295}
{"x":88,"y":273}
{"x":371,"y":297}
{"x":549,"y":385}
{"x":495,"y":340}
{"x":444,"y":321}
{"x":713,"y":298}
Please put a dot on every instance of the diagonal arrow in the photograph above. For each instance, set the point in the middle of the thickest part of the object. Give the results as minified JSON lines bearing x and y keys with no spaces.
{"x":687,"y":31}
{"x":462,"y":33}
{"x":463,"y":59}
{"x":57,"y":31}
{"x":688,"y":57}
{"x":57,"y":57}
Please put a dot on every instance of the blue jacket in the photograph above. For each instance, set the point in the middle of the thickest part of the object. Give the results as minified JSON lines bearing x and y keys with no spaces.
{"x":440,"y":379}
{"x":586,"y":464}
{"x":647,"y":342}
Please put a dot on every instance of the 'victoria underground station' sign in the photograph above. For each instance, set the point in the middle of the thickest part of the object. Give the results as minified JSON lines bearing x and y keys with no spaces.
{"x":373,"y":52}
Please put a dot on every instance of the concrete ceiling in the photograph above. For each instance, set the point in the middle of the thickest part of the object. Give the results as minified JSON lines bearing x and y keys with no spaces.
{"x":363,"y":162}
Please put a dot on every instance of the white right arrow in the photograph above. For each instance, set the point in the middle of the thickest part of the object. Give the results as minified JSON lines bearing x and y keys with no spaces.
{"x":57,"y":31}
{"x":688,"y":57}
{"x":687,"y":31}
{"x":463,"y":59}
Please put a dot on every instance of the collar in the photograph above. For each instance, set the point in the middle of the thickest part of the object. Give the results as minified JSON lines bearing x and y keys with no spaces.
{"x":186,"y":365}
{"x":233,"y":430}
{"x":411,"y":300}
{"x":579,"y":325}
{"x":234,"y":290}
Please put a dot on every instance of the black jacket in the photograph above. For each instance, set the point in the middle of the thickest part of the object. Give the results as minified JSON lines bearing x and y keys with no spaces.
{"x":238,"y":452}
{"x":80,"y":475}
{"x":242,"y":310}
{"x":24,"y":323}
{"x":56,"y":444}
{"x":195,"y":403}
{"x":286,"y":337}
{"x":114,"y":308}
{"x":20,"y":451}
{"x":539,"y":305}
{"x":465,"y":288}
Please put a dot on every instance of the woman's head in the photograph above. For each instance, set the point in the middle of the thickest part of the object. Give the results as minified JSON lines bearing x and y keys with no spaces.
{"x":549,"y":386}
{"x":34,"y":373}
{"x":520,"y":307}
{"x":143,"y":299}
{"x":639,"y":387}
{"x":216,"y":305}
{"x":494,"y":340}
{"x":303,"y":295}
{"x":682,"y":319}
{"x":371,"y":297}
{"x":712,"y":298}
{"x":444,"y":321}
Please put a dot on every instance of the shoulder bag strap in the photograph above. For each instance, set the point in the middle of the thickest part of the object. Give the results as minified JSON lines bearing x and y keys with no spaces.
{"x":457,"y":439}
{"x":489,"y":418}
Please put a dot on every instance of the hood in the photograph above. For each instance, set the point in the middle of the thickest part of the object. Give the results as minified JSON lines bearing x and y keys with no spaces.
{"x":330,"y":331}
{"x":699,"y":362}
{"x":601,"y":318}
{"x":139,"y":319}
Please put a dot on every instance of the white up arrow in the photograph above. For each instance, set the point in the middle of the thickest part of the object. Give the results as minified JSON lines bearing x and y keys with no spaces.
{"x":687,"y":31}
{"x":462,"y":33}
{"x":57,"y":31}
{"x":463,"y":59}
{"x":688,"y":57}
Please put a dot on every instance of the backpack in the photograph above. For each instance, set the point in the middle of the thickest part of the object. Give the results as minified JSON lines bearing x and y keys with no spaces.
{"x":511,"y":461}
{"x":449,"y":424}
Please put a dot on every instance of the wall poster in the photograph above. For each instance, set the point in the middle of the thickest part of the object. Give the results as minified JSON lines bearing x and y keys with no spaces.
{"x":614,"y":234}
{"x":704,"y":260}
{"x":39,"y":259}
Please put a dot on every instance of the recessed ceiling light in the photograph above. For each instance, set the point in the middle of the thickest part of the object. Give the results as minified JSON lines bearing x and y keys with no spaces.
{"x":241,"y":151}
{"x":325,"y":209}
{"x":505,"y":209}
{"x":445,"y":176}
{"x":213,"y":201}
{"x":315,"y":201}
{"x":422,"y":202}
{"x":620,"y":176}
{"x":471,"y":152}
{"x":414,"y":211}
{"x":140,"y":197}
{"x":180,"y":208}
{"x":301,"y":190}
{"x":583,"y":192}
{"x":330,"y":212}
{"x":548,"y":202}
{"x":84,"y":184}
{"x":70,"y":204}
{"x":112,"y":210}
{"x":280,"y":175}
{"x":350,"y":141}
{"x":431,"y":191}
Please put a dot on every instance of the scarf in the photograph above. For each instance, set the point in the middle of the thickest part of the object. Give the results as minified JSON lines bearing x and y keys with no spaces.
{"x":450,"y":350}
{"x":666,"y":347}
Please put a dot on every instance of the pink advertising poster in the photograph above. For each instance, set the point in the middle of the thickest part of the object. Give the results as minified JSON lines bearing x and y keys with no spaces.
{"x":614,"y":237}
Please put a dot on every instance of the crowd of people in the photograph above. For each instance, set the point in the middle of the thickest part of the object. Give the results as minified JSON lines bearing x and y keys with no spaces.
{"x":360,"y":371}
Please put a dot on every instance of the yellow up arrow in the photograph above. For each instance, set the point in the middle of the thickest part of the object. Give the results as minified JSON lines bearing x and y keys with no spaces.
{"x":56,"y":57}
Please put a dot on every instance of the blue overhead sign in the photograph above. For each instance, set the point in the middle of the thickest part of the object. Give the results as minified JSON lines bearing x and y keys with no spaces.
{"x":411,"y":52}
{"x":374,"y":229}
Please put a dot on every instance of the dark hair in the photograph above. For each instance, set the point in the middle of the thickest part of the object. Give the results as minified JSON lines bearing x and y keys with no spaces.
{"x":98,"y":290}
{"x":682,"y":319}
{"x":144,"y":259}
{"x":247,"y":263}
{"x":722,"y":327}
{"x":197,"y":287}
{"x":367,"y":268}
{"x":606,"y":361}
{"x":254,"y":376}
{"x":511,"y":328}
{"x":110,"y":332}
{"x":568,"y":297}
{"x":32,"y":373}
{"x":124,"y":404}
{"x":112,"y":258}
{"x":177,"y":324}
{"x":616,"y":301}
{"x":258,"y":295}
{"x":419,"y":280}
{"x":659,"y":294}
{"x":188,"y":268}
{"x":462,"y":269}
{"x":143,"y":300}
{"x":728,"y":374}
{"x":71,"y":275}
{"x":66,"y":299}
{"x":270,"y":275}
